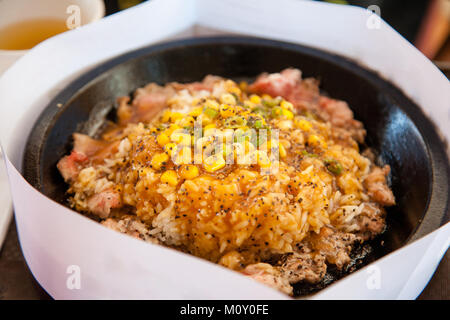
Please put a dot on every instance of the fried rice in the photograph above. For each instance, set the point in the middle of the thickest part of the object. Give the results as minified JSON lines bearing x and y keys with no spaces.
{"x":264,"y":178}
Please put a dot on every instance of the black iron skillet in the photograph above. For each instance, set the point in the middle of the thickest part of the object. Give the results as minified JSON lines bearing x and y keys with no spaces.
{"x":397,"y":128}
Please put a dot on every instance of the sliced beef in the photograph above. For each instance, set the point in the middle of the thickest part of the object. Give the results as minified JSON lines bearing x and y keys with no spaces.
{"x":125,"y":111}
{"x":71,"y":165}
{"x":336,"y":246}
{"x":335,"y":111}
{"x":147,"y":103}
{"x":86,"y":150}
{"x":277,"y":84}
{"x":305,"y":95}
{"x":303,"y":266}
{"x":95,"y":150}
{"x":84,"y":144}
{"x":206,"y":84}
{"x":339,"y":114}
{"x":101,"y":203}
{"x":377,"y":187}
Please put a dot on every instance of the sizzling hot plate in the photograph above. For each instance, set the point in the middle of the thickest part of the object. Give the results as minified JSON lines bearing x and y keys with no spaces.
{"x":397,"y":129}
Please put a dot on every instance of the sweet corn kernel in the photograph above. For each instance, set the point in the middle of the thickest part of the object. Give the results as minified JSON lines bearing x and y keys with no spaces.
{"x":183,"y":156}
{"x":303,"y":124}
{"x":204,"y":119}
{"x":162,"y":139}
{"x":209,"y":126}
{"x":255,"y":99}
{"x":263,"y":159}
{"x":159,"y":160}
{"x":170,"y":148}
{"x":266,"y":97}
{"x":313,"y":140}
{"x":285,"y":124}
{"x":195,"y":101}
{"x":154,"y":130}
{"x":211,"y":104}
{"x":181,"y":137}
{"x":227,"y":111}
{"x":316,"y":141}
{"x":166,"y":116}
{"x":171,"y":129}
{"x":229,"y":84}
{"x":287,"y":105}
{"x":214,"y":163}
{"x":287,"y":114}
{"x":189,"y":172}
{"x":227,"y":98}
{"x":268,"y":145}
{"x":234,"y":90}
{"x":187,"y":122}
{"x":249,"y":147}
{"x":282,"y":151}
{"x":170,"y":177}
{"x":195,"y":112}
{"x":176,"y":116}
{"x":249,"y":104}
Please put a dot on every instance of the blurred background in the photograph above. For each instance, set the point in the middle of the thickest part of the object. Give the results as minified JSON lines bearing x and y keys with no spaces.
{"x":425,"y":23}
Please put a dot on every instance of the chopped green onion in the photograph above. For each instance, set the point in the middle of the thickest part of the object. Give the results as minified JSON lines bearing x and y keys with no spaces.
{"x":333,"y":166}
{"x":261,"y":111}
{"x":258,"y":124}
{"x":276,"y":112}
{"x":272,"y":102}
{"x":309,"y":115}
{"x":255,"y":122}
{"x":211,"y":113}
{"x":235,"y":122}
{"x":307,"y":154}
